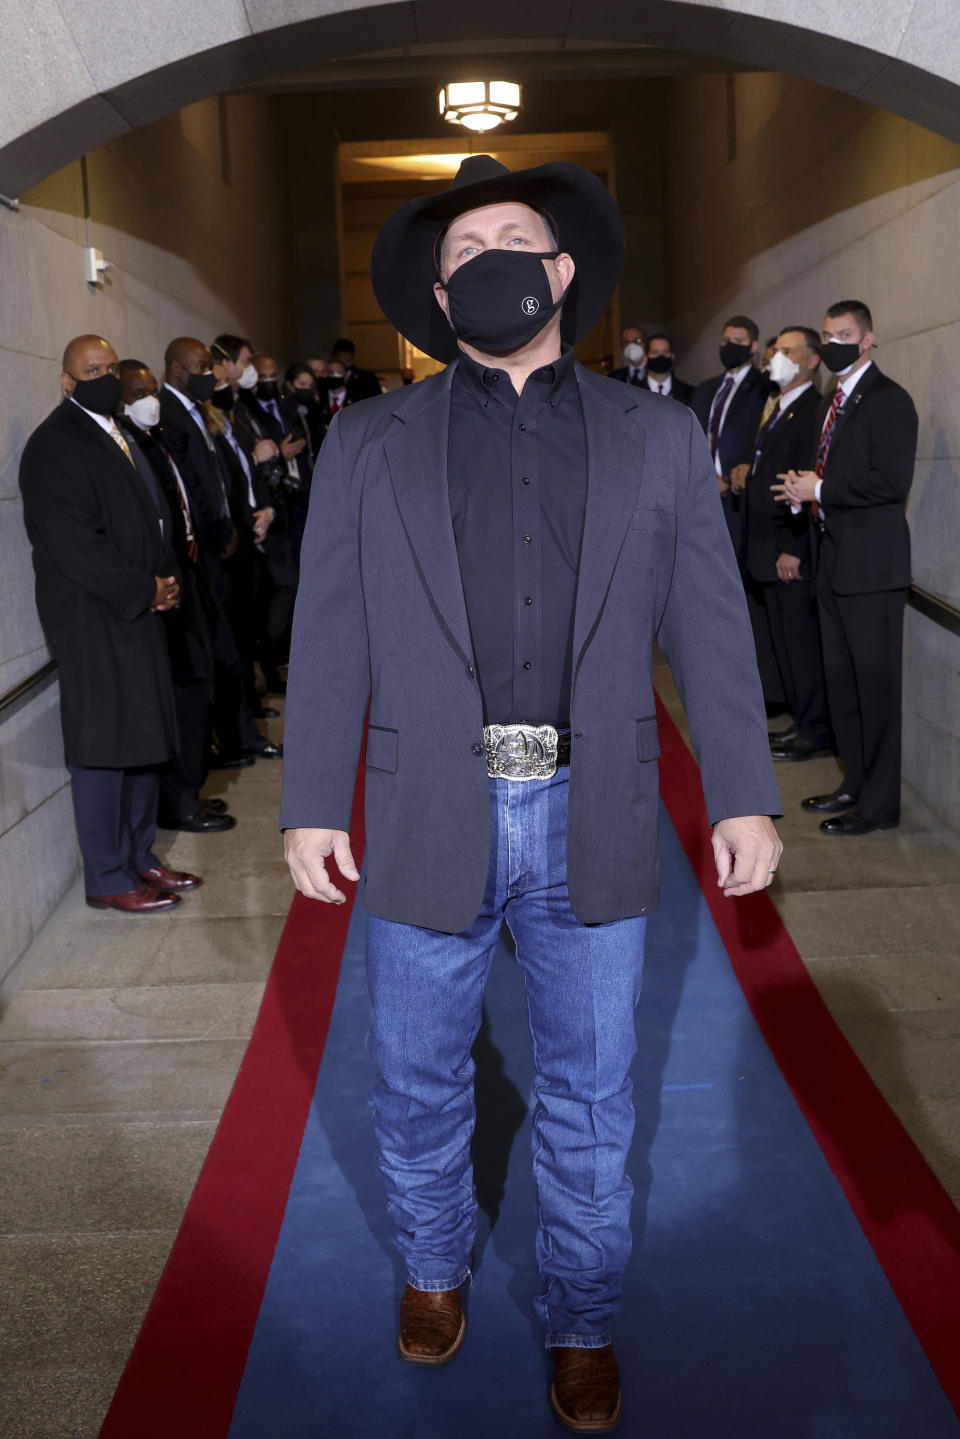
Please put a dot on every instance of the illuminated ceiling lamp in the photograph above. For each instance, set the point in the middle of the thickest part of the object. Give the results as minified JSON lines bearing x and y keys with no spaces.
{"x":480,"y":104}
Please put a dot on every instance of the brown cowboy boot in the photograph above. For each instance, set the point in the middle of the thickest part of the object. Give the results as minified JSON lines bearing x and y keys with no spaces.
{"x":586,"y":1393}
{"x":432,"y":1325}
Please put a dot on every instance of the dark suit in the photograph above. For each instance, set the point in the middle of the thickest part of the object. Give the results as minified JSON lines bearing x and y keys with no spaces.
{"x":362,"y":385}
{"x":381,"y":618}
{"x":679,"y":389}
{"x":200,"y":469}
{"x":189,"y":629}
{"x":290,"y":492}
{"x":627,"y":375}
{"x":862,"y":582}
{"x":100,"y":532}
{"x":737,"y":435}
{"x":770,"y":530}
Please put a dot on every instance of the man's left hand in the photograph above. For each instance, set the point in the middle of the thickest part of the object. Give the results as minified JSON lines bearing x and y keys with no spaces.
{"x":747,"y":851}
{"x":800,"y":486}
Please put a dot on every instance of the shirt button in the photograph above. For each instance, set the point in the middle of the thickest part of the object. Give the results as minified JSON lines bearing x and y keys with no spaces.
{"x":477,"y":749}
{"x":527,"y":665}
{"x":523,"y":427}
{"x":526,"y":479}
{"x":528,"y":539}
{"x":528,"y":600}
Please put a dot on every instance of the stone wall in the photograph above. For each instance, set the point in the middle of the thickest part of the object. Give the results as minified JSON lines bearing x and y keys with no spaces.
{"x":191,"y":212}
{"x":782,"y":197}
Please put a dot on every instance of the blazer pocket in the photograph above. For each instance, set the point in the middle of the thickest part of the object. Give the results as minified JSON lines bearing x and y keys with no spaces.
{"x":382,"y":745}
{"x":648,"y":740}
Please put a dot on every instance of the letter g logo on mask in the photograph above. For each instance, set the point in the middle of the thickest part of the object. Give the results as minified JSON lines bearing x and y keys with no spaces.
{"x":531,"y":305}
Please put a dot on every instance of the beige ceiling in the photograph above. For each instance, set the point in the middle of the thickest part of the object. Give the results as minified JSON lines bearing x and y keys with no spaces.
{"x":362,"y":162}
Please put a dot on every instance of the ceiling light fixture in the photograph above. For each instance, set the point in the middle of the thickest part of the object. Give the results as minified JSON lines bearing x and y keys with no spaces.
{"x":479,"y":104}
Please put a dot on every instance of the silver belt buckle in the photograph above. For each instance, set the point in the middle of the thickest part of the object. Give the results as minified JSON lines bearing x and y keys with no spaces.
{"x":521,"y":751}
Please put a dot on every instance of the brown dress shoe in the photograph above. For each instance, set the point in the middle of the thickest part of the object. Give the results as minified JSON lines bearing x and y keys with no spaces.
{"x":142,"y":900}
{"x":168,"y":881}
{"x":586,"y":1393}
{"x":432,"y":1325}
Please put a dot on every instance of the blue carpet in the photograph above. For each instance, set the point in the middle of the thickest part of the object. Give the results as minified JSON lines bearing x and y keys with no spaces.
{"x":754,"y":1307}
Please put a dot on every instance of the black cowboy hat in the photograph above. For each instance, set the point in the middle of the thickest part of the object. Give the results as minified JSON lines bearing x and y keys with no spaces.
{"x":584,"y":216}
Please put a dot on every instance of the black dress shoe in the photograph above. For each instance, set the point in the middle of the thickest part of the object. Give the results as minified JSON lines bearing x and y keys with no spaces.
{"x":214,"y":805}
{"x":201,"y":822}
{"x":837,"y":803}
{"x":783,"y":736}
{"x":266,"y":750}
{"x":243,"y":761}
{"x":853,"y":824}
{"x":798,"y":748}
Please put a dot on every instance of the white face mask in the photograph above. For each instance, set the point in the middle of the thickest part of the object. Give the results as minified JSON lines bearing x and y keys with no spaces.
{"x":144,"y":412}
{"x":782,"y":370}
{"x":634,"y":353}
{"x":248,"y":378}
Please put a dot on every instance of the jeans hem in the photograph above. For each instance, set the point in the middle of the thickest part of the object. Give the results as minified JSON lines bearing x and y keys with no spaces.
{"x":578,"y":1341}
{"x":437,"y":1286}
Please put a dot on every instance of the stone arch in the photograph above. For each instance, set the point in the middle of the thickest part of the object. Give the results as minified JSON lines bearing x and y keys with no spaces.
{"x":66,"y":91}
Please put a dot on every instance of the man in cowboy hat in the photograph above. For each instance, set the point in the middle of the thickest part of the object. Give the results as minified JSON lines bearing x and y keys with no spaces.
{"x":488,"y":559}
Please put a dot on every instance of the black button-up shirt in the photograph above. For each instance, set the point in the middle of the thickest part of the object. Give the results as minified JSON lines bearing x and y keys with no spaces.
{"x":517,"y":468}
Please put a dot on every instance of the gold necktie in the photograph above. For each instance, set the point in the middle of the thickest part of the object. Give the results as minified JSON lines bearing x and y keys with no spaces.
{"x":115,"y":434}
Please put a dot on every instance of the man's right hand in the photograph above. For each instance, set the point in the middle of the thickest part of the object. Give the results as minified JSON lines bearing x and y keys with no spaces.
{"x":290,"y":448}
{"x":305,"y":851}
{"x":166,"y":595}
{"x":264,"y":450}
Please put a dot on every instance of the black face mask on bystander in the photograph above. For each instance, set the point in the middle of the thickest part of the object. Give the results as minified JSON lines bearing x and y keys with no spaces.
{"x":101,"y":396}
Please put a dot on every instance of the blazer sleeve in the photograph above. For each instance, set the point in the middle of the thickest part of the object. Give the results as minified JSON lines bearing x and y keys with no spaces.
{"x":706,"y":637}
{"x":66,"y":520}
{"x":328,"y":684}
{"x":890,"y":453}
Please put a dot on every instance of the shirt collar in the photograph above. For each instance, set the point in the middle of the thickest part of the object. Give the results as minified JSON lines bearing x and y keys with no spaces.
{"x":185,"y":400}
{"x":850,"y":382}
{"x":106,"y":422}
{"x":553,"y":378}
{"x":792,"y":395}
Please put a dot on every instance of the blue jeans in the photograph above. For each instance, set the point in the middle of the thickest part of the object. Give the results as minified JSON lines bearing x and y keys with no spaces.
{"x":582,"y":986}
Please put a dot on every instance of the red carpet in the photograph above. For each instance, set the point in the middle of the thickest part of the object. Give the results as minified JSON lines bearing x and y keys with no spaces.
{"x":185,"y":1369}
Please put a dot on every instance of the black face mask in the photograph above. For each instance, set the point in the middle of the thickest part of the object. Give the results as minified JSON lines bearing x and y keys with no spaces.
{"x":501,"y":299}
{"x":223,"y":399}
{"x":268,"y":390}
{"x":839,"y":357}
{"x":733,"y":356}
{"x":101,"y":395}
{"x":333,"y":382}
{"x":201,"y":387}
{"x":660,"y":364}
{"x":305,"y":395}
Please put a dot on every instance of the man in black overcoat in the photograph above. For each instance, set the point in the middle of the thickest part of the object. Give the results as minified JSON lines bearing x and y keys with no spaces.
{"x":105,"y":572}
{"x":488,"y":559}
{"x":777,"y":557}
{"x":857,"y":490}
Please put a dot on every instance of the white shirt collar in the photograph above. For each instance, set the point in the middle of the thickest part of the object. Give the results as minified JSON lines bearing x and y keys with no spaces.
{"x":792,"y":395}
{"x":185,"y":400}
{"x":850,"y":382}
{"x":737,"y":375}
{"x":106,"y":422}
{"x":660,"y":386}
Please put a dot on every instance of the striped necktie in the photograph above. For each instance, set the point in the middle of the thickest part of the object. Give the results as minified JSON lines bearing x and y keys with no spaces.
{"x":826,"y":438}
{"x":116,"y":435}
{"x":716,"y":413}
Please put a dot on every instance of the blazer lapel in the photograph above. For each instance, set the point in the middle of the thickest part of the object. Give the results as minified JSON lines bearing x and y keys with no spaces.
{"x":853,"y":401}
{"x":417,"y":458}
{"x":615,"y":447}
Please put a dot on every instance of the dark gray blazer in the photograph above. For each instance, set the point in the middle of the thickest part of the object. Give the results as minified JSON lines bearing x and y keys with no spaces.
{"x":381,"y":617}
